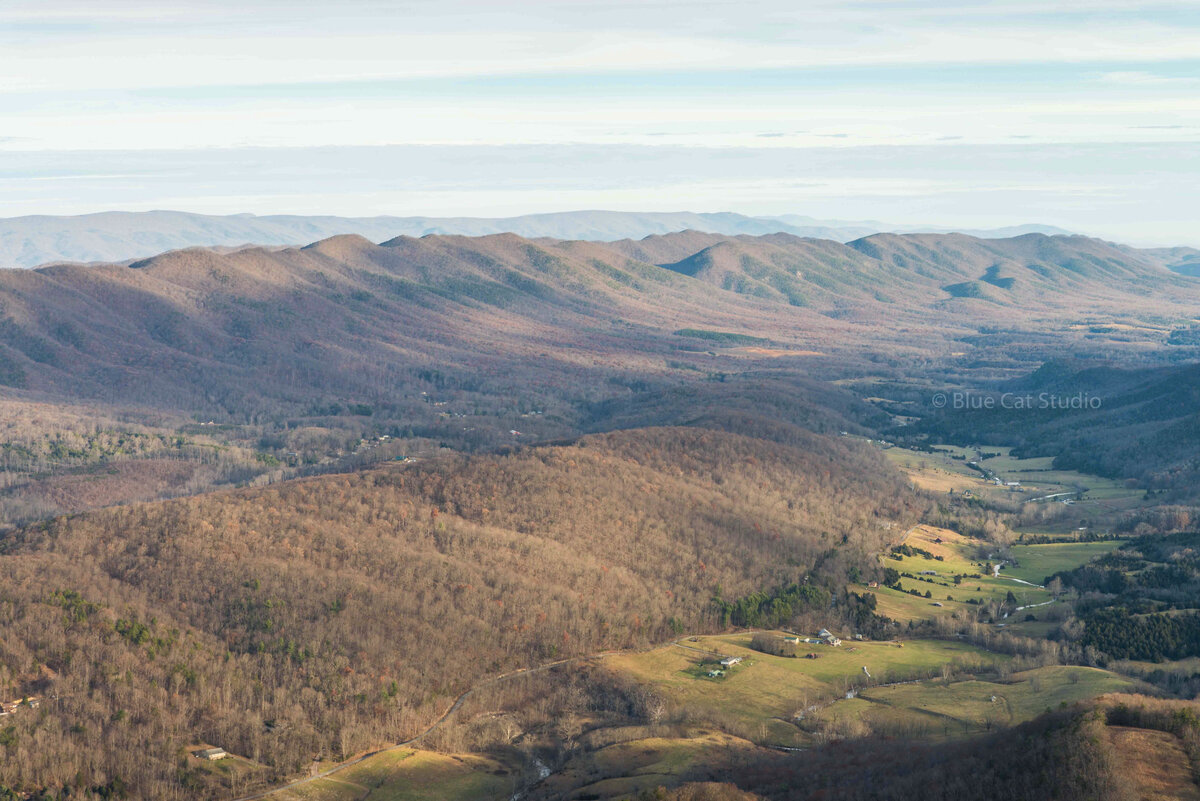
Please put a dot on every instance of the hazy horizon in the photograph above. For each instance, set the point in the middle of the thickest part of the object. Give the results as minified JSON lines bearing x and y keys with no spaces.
{"x":1078,"y":115}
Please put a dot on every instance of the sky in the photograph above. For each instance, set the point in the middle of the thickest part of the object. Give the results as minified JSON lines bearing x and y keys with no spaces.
{"x":1081,"y":114}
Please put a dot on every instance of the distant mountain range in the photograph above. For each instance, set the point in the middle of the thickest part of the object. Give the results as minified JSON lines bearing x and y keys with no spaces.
{"x":198,"y":328}
{"x":119,"y":236}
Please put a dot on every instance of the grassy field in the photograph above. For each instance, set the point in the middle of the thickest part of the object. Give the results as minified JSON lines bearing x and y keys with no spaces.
{"x":410,"y":775}
{"x":628,"y":768}
{"x":759,"y":697}
{"x":1036,"y":562}
{"x":958,"y":558}
{"x":939,"y":471}
{"x":232,"y":771}
{"x":940,"y":709}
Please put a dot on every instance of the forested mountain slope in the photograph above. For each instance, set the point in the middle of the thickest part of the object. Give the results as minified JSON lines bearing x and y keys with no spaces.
{"x":256,"y":330}
{"x":1139,"y":424}
{"x":1046,"y":271}
{"x":346,"y":319}
{"x":348,"y":610}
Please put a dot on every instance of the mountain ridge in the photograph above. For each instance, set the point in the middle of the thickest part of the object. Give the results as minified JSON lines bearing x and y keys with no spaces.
{"x":113,"y":236}
{"x":346,"y":315}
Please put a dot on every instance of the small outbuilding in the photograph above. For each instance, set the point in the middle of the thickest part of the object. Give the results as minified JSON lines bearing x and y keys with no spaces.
{"x":210,"y":754}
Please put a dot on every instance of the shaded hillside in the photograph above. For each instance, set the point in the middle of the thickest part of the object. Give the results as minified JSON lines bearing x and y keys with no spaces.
{"x":349,"y":610}
{"x":1182,"y":260}
{"x":771,"y":405}
{"x":1047,"y":272}
{"x":1111,"y":421}
{"x":343,"y":319}
{"x":1115,"y":748}
{"x":1120,"y":748}
{"x":259,"y":331}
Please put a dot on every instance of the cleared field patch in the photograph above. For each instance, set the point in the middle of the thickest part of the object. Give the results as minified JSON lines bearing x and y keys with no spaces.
{"x":1037,"y":562}
{"x":940,"y":709}
{"x":409,"y":775}
{"x":948,"y":468}
{"x":228,"y":772}
{"x":328,"y":789}
{"x":936,"y":472}
{"x":759,"y":698}
{"x":1038,"y":477}
{"x":1157,"y":759}
{"x":1038,"y":629}
{"x":627,"y":768}
{"x":955,"y":550}
{"x":954,"y":578}
{"x":887,"y":661}
{"x":1037,"y":690}
{"x":904,"y":607}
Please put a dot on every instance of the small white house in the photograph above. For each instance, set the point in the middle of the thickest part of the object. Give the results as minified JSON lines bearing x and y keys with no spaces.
{"x":730,"y":661}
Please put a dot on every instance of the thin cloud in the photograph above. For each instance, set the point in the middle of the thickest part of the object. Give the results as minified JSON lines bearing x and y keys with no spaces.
{"x":1138,"y":78}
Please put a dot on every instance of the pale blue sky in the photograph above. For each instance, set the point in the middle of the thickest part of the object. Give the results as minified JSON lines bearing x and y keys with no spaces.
{"x":1080,"y":114}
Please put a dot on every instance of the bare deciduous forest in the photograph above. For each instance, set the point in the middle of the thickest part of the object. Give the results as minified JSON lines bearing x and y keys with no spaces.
{"x":351,"y":609}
